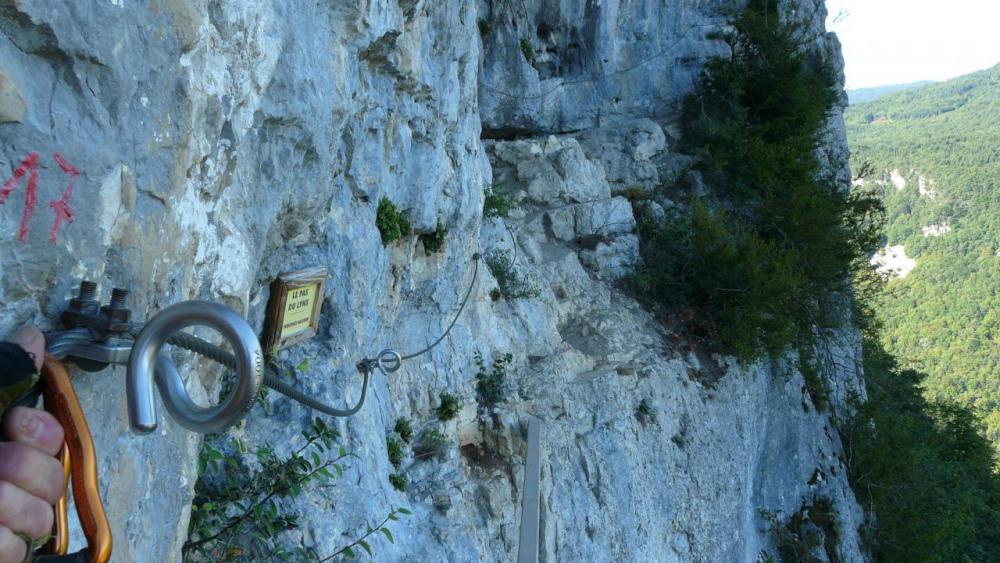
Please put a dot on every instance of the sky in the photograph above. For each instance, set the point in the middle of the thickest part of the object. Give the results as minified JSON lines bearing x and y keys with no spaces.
{"x":898,"y":41}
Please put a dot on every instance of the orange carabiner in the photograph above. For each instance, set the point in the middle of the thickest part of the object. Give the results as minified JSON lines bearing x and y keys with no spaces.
{"x":80,"y":464}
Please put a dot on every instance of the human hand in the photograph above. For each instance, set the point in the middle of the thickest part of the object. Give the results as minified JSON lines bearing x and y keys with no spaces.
{"x":31,"y":478}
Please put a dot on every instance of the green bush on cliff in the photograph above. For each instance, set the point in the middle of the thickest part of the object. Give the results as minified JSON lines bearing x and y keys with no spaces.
{"x":241,"y":510}
{"x":924,"y":468}
{"x":448,"y":407}
{"x":758,"y":261}
{"x":433,"y":242}
{"x":391,"y":223}
{"x":513,"y":284}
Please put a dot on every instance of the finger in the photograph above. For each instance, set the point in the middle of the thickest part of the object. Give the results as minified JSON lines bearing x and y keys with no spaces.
{"x":12,"y":548}
{"x":32,"y":341}
{"x":24,"y":513}
{"x":32,"y":471}
{"x":35,"y":428}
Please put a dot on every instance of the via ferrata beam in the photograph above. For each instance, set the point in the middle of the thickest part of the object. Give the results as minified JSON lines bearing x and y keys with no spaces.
{"x":527,"y":548}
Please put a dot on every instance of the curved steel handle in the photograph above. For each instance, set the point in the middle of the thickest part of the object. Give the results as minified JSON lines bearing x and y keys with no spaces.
{"x":146,"y":358}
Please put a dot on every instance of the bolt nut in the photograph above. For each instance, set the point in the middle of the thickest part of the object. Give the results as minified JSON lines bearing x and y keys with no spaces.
{"x":115,"y":314}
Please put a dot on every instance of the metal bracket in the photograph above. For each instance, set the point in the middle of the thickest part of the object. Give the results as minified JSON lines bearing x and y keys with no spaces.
{"x":98,"y":355}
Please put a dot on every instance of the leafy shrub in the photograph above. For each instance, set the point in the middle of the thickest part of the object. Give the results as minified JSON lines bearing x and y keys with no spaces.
{"x":431,"y":443}
{"x":760,"y":261}
{"x":348,"y":551}
{"x":237,"y":513}
{"x":527,"y":50}
{"x":395,"y":451}
{"x":496,"y":205}
{"x":398,"y":481}
{"x":448,"y":407}
{"x":513,"y":284}
{"x":433,"y":242}
{"x":490,"y":385}
{"x":391,"y":223}
{"x":924,"y":468}
{"x":404,"y":429}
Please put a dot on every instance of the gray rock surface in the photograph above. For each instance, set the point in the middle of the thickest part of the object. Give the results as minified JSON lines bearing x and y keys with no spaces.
{"x":592,"y":61}
{"x":220,"y":143}
{"x":627,"y":150}
{"x":12,"y":106}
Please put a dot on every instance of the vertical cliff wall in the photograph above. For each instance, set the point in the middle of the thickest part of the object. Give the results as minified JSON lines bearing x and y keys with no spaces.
{"x":220,"y":143}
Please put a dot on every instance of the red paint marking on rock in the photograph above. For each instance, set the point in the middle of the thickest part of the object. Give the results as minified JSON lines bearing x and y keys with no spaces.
{"x":61,"y":206}
{"x":28,"y":166}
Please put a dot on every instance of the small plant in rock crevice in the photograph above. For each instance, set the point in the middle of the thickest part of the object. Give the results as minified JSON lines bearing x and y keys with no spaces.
{"x":239,"y":512}
{"x":644,"y":412}
{"x":391,"y":223}
{"x":431,"y":444}
{"x":490,"y":384}
{"x":398,"y":481}
{"x":496,"y":205}
{"x":527,"y":50}
{"x":512,"y":283}
{"x":395,"y":451}
{"x":485,"y":27}
{"x":433,"y":242}
{"x":448,"y":407}
{"x":404,"y":429}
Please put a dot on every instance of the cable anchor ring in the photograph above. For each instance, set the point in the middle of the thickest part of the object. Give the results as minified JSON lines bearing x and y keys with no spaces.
{"x":389,"y":361}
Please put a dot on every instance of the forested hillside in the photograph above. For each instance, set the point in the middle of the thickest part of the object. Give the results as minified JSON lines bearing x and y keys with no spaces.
{"x":862,"y":95}
{"x":935,"y":154}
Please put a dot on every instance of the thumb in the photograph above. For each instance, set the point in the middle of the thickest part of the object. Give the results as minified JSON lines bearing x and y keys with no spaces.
{"x":32,"y":341}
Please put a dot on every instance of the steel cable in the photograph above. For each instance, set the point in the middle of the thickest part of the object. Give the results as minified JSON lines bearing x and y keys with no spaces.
{"x":202,"y":347}
{"x":59,"y":343}
{"x":475,"y":274}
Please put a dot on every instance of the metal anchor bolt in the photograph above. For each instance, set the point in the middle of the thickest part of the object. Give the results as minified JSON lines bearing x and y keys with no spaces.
{"x":118,"y":296}
{"x":88,"y":290}
{"x":85,"y":301}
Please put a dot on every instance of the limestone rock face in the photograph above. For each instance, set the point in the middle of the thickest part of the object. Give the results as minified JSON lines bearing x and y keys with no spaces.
{"x":566,"y":66}
{"x":220,"y":143}
{"x":12,"y":106}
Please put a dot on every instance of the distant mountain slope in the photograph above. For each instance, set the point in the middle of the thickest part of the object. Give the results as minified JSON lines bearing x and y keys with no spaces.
{"x":936,"y":154}
{"x":862,"y":95}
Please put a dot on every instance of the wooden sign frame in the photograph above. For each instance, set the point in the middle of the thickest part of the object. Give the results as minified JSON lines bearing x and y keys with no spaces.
{"x":281,"y":298}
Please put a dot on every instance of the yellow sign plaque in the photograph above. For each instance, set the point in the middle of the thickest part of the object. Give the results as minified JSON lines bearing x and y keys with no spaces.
{"x":293,"y":308}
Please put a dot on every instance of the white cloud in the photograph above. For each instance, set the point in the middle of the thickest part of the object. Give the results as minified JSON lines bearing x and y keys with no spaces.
{"x":897,"y":41}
